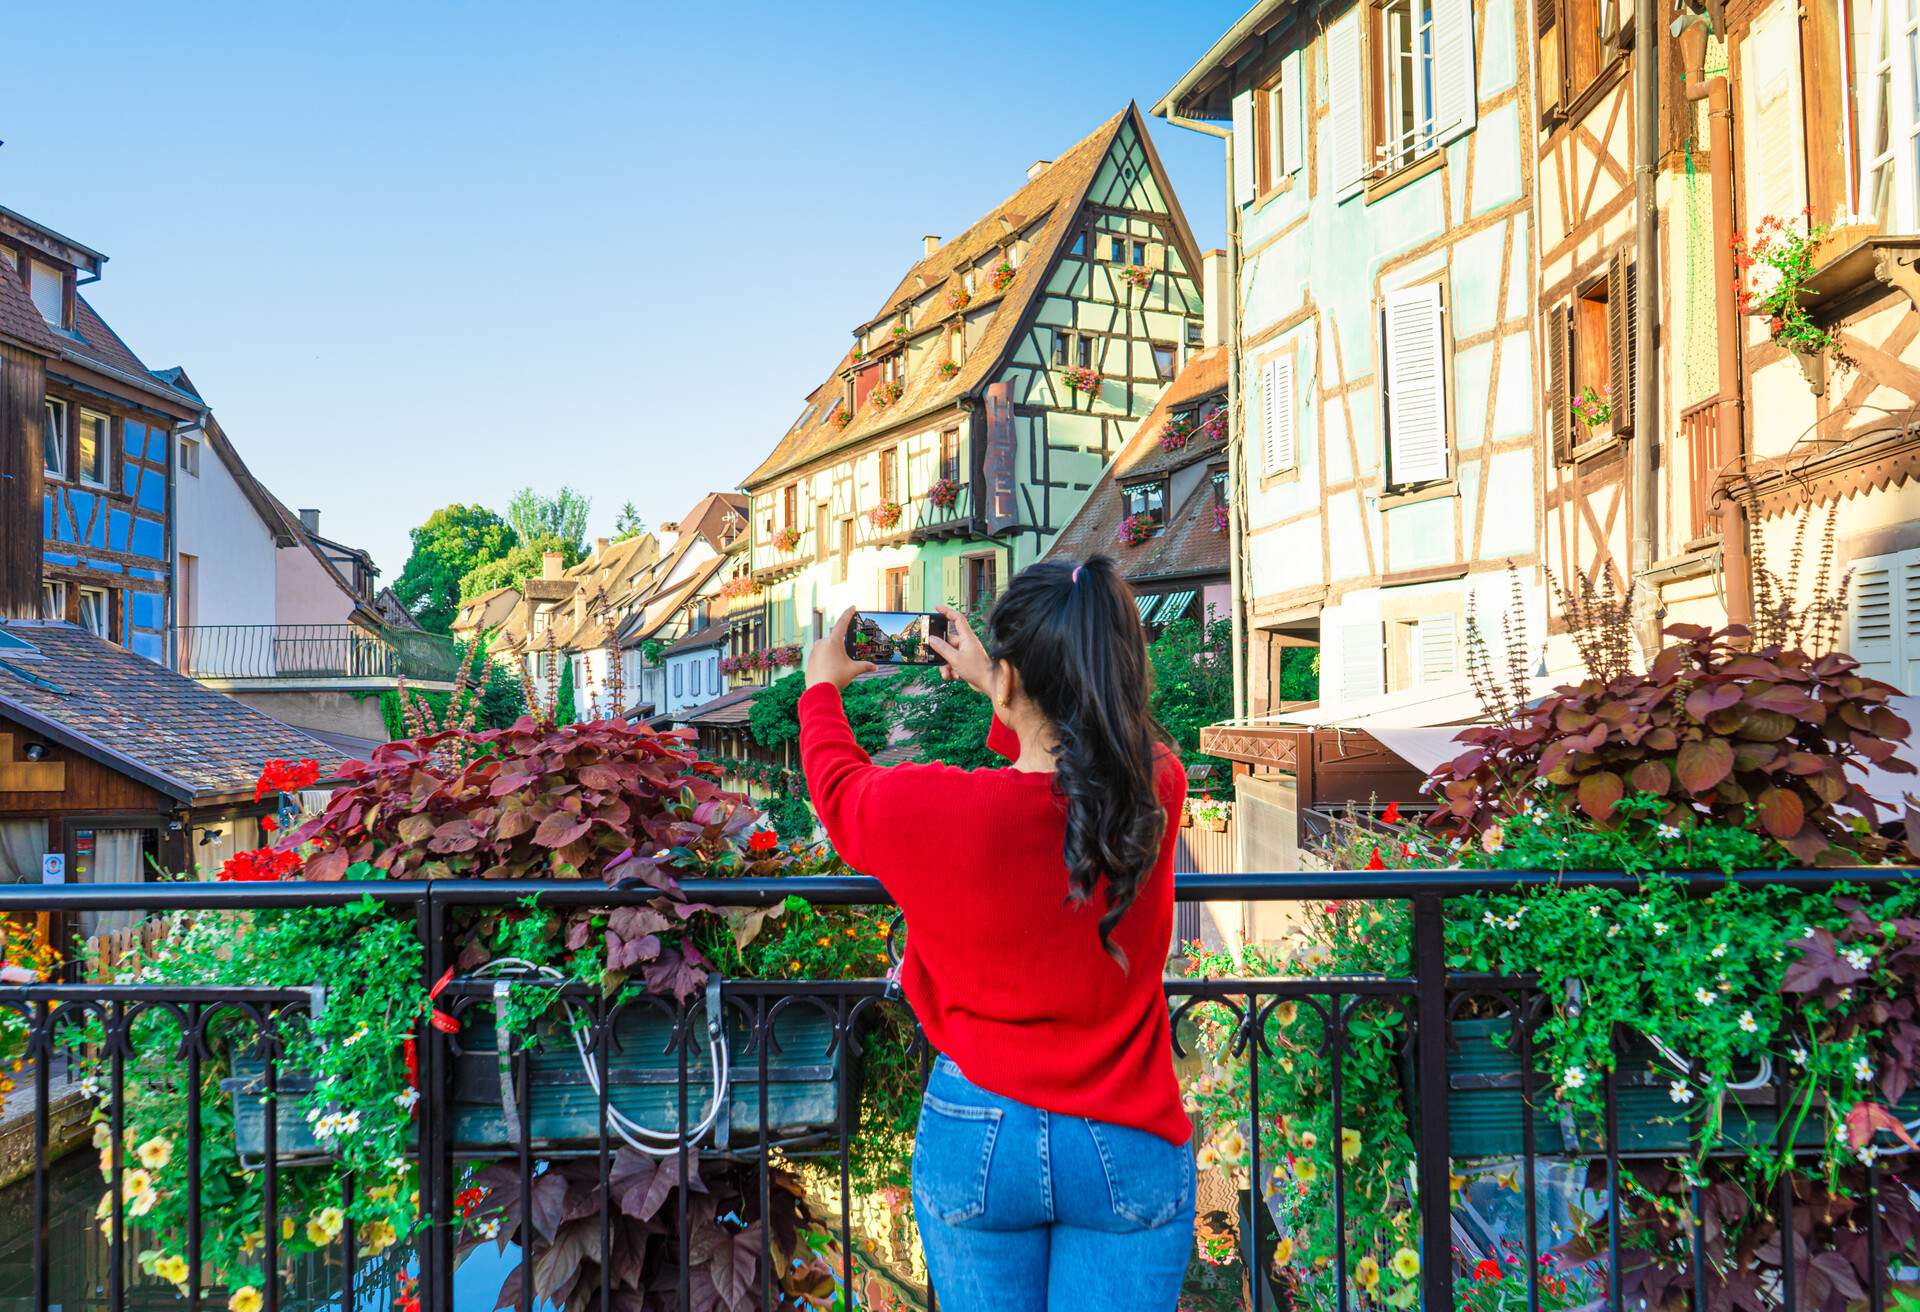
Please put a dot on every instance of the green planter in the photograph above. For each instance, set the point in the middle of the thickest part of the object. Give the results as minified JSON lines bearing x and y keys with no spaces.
{"x":803,"y":1100}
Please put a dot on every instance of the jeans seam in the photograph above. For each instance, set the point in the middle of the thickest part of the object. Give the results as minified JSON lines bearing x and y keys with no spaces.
{"x":1046,"y":1165}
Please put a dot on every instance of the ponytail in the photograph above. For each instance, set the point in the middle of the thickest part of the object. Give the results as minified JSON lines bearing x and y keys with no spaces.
{"x":1073,"y":633}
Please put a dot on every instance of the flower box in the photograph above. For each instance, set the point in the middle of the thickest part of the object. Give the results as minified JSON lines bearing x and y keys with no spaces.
{"x":562,"y":1107}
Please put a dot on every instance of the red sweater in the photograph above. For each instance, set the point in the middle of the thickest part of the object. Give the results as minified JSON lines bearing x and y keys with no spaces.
{"x":1007,"y":977}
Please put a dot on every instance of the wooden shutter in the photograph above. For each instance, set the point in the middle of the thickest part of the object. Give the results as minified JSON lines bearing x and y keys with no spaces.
{"x":1874,"y":638}
{"x":1416,"y":386}
{"x":1622,"y":311}
{"x":1455,"y":97}
{"x":1552,"y":77}
{"x":1559,"y":379}
{"x":952,"y":580}
{"x":1276,"y":414}
{"x":1909,"y":667}
{"x":916,"y":589}
{"x":1244,"y":148}
{"x":1346,"y":109}
{"x":1363,"y":671}
{"x":1435,"y":650}
{"x":1290,"y":109}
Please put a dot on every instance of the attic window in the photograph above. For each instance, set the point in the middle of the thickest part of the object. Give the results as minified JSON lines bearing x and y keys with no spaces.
{"x":1148,"y":500}
{"x":1079,"y":246}
{"x":49,"y":288}
{"x":966,"y":281}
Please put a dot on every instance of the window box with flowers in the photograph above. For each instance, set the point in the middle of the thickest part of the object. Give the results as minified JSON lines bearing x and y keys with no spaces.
{"x":1593,"y":409}
{"x":959,"y":298}
{"x":1082,"y":379}
{"x":948,"y":369}
{"x":886,"y":515}
{"x":885,"y":394}
{"x":899,"y":331}
{"x":786,"y":539}
{"x":841,"y":418}
{"x":944,"y":494}
{"x":1135,"y":529}
{"x":1137,"y":276}
{"x":1775,"y":270}
{"x":1002,"y":276}
{"x":739,"y":586}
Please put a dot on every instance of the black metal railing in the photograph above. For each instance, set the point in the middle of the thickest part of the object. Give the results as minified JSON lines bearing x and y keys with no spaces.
{"x":1449,"y":1239}
{"x":312,"y":651}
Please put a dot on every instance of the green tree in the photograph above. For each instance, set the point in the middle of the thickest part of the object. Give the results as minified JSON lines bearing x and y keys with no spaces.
{"x":947,"y":720}
{"x":628,"y":524}
{"x":1192,"y":666}
{"x":564,"y":711}
{"x":509,"y":571}
{"x":454,"y":541}
{"x":560,"y":519}
{"x":1300,"y":674}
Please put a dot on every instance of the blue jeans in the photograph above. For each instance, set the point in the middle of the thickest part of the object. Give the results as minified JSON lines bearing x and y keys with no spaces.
{"x":1022,"y":1210}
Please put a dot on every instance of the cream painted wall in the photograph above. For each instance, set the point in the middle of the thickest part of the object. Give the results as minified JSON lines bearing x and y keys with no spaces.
{"x":234,"y":555}
{"x":307,"y":591}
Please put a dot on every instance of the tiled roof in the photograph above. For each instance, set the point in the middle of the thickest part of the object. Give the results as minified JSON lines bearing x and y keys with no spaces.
{"x":729,"y":708}
{"x":141,"y":718}
{"x":20,"y":319}
{"x":713,"y":635}
{"x":1053,"y":197}
{"x":1188,"y":544}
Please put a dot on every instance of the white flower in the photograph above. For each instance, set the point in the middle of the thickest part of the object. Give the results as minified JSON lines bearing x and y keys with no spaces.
{"x":490,"y":1228}
{"x":1858,"y":958}
{"x":1575,"y":1078}
{"x":1704,"y":997}
{"x":1680,"y":1092}
{"x":1668,"y":831}
{"x":1512,"y":922}
{"x":396,"y":1163}
{"x":1846,"y":994}
{"x":1799,"y":1055}
{"x":90,"y":1088}
{"x":1594,"y":911}
{"x":350,"y":1123}
{"x":1719,"y":950}
{"x":1748,"y":1023}
{"x":1613,"y":931}
{"x":1806,"y":931}
{"x":406,"y":1099}
{"x":662,"y":854}
{"x":1490,"y":920}
{"x":1763,"y":280}
{"x":1862,"y":1069}
{"x":1659,"y":929}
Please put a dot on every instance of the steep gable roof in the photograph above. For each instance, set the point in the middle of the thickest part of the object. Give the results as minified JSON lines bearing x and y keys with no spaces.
{"x":20,"y":320}
{"x":1044,"y":209}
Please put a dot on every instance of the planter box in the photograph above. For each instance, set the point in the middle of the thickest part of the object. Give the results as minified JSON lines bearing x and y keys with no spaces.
{"x":803,"y":1088}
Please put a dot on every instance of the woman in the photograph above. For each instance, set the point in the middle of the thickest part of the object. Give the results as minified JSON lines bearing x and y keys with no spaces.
{"x":1051,"y":1169}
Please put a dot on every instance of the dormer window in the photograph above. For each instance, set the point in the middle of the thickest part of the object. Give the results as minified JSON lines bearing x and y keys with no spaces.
{"x":48,"y":286}
{"x":966,"y":281}
{"x":1147,"y":500}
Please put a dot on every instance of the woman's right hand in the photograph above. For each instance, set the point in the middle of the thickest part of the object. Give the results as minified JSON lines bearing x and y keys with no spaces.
{"x":965,"y":658}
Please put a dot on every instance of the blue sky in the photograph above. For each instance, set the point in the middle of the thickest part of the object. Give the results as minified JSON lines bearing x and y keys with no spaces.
{"x":423,"y":253}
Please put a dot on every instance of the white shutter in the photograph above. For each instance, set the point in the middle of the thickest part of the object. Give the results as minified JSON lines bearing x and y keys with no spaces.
{"x":1289,"y":108}
{"x":1346,"y":122}
{"x":1776,"y":180}
{"x":1363,"y":666}
{"x":1874,"y":639}
{"x":1243,"y":148}
{"x":1416,"y":386}
{"x":1434,"y":651}
{"x":1455,"y":98}
{"x":1909,"y":676}
{"x":1276,"y":414}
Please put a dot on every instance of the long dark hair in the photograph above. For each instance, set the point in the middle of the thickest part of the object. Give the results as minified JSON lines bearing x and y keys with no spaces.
{"x":1073,"y":634}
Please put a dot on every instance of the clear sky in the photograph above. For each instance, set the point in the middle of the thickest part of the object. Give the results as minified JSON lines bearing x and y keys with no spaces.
{"x":431,"y":252}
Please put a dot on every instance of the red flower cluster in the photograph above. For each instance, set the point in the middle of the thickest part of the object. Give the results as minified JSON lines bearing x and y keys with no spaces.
{"x":408,"y":1299}
{"x":763,"y":841}
{"x":261,"y":865}
{"x":772,"y":658}
{"x":469,"y":1199}
{"x":278,"y":776}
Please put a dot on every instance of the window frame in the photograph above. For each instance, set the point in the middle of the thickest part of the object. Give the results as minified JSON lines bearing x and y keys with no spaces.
{"x":1554,"y":21}
{"x":1141,"y":488}
{"x":1392,"y":153}
{"x":1890,"y":54}
{"x":187,"y":458}
{"x":104,"y":446}
{"x":895,"y":585}
{"x":950,"y":457}
{"x":1168,"y":370}
{"x":54,"y":590}
{"x":63,"y":442}
{"x":83,"y":594}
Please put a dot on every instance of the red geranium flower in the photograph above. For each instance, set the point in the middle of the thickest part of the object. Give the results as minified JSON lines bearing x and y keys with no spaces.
{"x":278,"y":776}
{"x":1374,"y":862}
{"x":268,"y":824}
{"x":261,"y":865}
{"x":1487,"y":1270}
{"x":468,"y":1199}
{"x":763,"y":840}
{"x":1391,"y":816}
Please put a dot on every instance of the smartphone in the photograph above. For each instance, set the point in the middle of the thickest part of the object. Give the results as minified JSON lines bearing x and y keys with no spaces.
{"x":895,"y":637}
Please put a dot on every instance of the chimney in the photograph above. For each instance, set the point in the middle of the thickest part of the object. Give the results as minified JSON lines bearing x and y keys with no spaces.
{"x":310,"y":521}
{"x":1213,"y":293}
{"x":929,"y":244}
{"x":600,"y":546}
{"x":1035,"y":169}
{"x":579,"y":609}
{"x":552,"y":564}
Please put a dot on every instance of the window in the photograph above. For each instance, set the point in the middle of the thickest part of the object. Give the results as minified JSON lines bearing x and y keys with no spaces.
{"x":845,"y":556}
{"x":1403,"y":93}
{"x":890,"y":474}
{"x":950,"y":453}
{"x":1415,"y":376}
{"x":190,"y":455}
{"x":982,"y":581}
{"x":48,"y":286}
{"x":96,"y":612}
{"x":53,"y":600}
{"x":679,"y":678}
{"x":790,"y":506}
{"x":713,"y":674}
{"x":895,"y":595}
{"x":1278,"y":113}
{"x":95,"y":449}
{"x":1590,"y":346}
{"x":1277,"y":411}
{"x":1165,"y":360}
{"x":1579,"y":40}
{"x":966,"y":282}
{"x":1397,"y":91}
{"x":1079,"y":246}
{"x":1072,"y":349}
{"x":1219,"y":487}
{"x":53,"y":440}
{"x":1196,"y":332}
{"x":1147,"y":500}
{"x":1884,"y":627}
{"x":1880,"y":50}
{"x":1423,"y":650}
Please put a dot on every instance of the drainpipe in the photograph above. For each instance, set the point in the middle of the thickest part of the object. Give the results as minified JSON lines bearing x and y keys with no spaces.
{"x":1646,"y":408}
{"x":1729,"y":435}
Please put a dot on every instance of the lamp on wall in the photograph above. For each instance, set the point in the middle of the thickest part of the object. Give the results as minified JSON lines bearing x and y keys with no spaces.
{"x":208,"y":837}
{"x":35,"y":751}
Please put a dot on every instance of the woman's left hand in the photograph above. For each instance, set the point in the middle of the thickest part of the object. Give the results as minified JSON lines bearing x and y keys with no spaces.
{"x":827,"y":660}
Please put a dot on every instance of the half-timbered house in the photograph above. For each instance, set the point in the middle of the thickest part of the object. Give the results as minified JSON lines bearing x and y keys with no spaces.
{"x":975,"y":410}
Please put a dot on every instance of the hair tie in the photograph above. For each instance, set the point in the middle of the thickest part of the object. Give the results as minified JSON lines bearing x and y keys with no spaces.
{"x":1076,"y":573}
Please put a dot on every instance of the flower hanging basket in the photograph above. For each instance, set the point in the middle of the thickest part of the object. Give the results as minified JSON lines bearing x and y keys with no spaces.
{"x":787,"y":539}
{"x":1002,"y":276}
{"x":959,"y":298}
{"x":885,"y":515}
{"x":949,"y":369}
{"x":841,"y":419}
{"x":944,"y":494}
{"x":1083,"y":379}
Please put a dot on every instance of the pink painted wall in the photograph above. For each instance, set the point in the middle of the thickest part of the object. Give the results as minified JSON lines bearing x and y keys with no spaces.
{"x":306,"y":591}
{"x":1217,"y":599}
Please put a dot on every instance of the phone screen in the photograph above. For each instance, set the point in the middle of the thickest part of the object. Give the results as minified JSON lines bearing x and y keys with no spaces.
{"x":895,"y":637}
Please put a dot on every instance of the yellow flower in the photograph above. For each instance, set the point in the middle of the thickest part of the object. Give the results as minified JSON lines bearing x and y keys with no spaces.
{"x":286,"y":1227}
{"x":245,"y":1299}
{"x":1283,"y":1252}
{"x":134,"y":1183}
{"x":1305,"y":1171}
{"x":1234,"y":1148}
{"x":1406,"y":1264}
{"x":330,"y":1219}
{"x":385,"y":1193}
{"x":1207,"y":1158}
{"x":173,"y":1270}
{"x":1349,"y":1144}
{"x":1367,"y":1274}
{"x":377,"y":1237}
{"x":317,"y":1235}
{"x":156,"y":1153}
{"x":1286,"y":1013}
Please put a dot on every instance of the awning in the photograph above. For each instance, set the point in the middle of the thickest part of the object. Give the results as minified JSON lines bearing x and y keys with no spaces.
{"x":1146,"y":605}
{"x":1174,"y":604}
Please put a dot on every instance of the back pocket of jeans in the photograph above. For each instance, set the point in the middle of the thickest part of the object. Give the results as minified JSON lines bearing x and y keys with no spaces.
{"x":1149,"y":1179}
{"x":951,"y":1156}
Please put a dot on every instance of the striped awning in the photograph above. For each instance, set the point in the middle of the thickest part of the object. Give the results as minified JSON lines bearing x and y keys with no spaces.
{"x":1146,"y":605}
{"x":1173,"y":604}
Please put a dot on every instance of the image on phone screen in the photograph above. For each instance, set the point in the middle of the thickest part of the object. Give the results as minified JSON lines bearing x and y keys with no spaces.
{"x":895,"y":637}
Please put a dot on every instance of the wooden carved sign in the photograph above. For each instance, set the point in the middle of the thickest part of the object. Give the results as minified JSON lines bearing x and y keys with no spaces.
{"x":998,"y":465}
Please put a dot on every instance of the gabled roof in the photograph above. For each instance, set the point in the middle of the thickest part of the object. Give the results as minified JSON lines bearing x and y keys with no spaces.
{"x":271,"y":512}
{"x":1050,"y":201}
{"x":669,"y":600}
{"x":713,"y":635}
{"x":99,"y":347}
{"x":140,"y":718}
{"x":1188,"y":544}
{"x":489,"y":610}
{"x":20,"y":321}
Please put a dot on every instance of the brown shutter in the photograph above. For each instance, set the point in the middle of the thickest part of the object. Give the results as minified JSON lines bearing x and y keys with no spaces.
{"x":1546,"y":14}
{"x":1621,"y":313}
{"x":1559,"y":379}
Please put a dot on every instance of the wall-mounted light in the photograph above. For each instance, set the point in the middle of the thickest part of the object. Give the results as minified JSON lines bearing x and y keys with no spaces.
{"x":36,"y":751}
{"x":208,"y":837}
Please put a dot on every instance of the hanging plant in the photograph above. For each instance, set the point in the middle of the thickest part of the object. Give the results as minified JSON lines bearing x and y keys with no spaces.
{"x":1002,"y":276}
{"x":1135,"y":529}
{"x":1592,"y":408}
{"x":959,"y":298}
{"x":1137,"y":276}
{"x":885,"y":515}
{"x":899,"y":330}
{"x":739,"y":586}
{"x":787,"y":539}
{"x":1220,"y":519}
{"x":944,"y":493}
{"x":842,"y":419}
{"x":949,"y":369}
{"x":1081,"y":378}
{"x":887,"y":393}
{"x":1773,"y":271}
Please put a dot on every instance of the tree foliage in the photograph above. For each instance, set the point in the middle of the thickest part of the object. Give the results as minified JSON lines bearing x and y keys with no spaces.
{"x":628,"y":524}
{"x":1192,"y":666}
{"x":564,"y":710}
{"x":560,"y":519}
{"x":509,"y":571}
{"x":454,"y":541}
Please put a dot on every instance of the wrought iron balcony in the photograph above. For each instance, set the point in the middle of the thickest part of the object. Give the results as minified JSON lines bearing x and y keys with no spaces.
{"x":293,"y":653}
